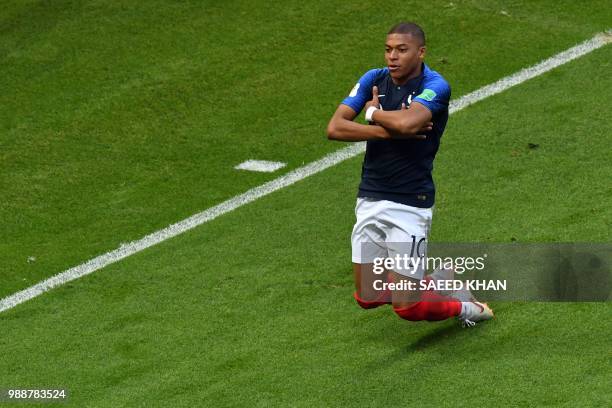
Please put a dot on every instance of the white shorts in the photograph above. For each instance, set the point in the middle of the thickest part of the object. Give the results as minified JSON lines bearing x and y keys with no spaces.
{"x":387,"y":229}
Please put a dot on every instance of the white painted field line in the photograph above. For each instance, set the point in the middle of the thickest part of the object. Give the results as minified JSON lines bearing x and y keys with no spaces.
{"x":260,"y":166}
{"x":180,"y":227}
{"x":531,"y":72}
{"x":292,"y":177}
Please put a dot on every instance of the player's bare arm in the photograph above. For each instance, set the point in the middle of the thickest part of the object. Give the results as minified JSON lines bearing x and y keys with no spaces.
{"x":342,"y":127}
{"x":411,"y":122}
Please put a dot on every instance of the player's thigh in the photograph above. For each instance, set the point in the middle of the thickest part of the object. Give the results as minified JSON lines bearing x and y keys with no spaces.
{"x":367,"y":246}
{"x":367,"y":237}
{"x":406,"y":230}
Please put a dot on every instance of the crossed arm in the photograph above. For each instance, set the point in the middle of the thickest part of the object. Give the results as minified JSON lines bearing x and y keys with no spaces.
{"x":408,"y":123}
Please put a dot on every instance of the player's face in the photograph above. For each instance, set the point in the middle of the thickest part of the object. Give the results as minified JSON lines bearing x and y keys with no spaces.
{"x":404,"y":56}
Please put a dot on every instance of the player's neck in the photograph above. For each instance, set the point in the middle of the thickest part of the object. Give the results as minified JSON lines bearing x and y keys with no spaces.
{"x":412,"y":75}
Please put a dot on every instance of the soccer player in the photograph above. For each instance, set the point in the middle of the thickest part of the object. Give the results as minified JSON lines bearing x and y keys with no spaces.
{"x":406,"y":104}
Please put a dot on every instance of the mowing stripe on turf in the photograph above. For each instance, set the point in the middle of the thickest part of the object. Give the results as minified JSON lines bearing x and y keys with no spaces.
{"x":288,"y":179}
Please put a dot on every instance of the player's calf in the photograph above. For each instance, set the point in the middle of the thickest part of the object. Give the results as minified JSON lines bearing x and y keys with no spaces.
{"x":431,"y":307}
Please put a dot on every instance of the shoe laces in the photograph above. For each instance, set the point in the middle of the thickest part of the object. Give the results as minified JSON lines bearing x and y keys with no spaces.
{"x":467,"y":323}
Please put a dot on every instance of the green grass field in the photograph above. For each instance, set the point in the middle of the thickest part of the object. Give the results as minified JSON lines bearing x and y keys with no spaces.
{"x":118,"y":119}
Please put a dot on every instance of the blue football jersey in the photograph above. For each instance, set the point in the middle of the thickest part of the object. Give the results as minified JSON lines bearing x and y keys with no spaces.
{"x":400,"y":170}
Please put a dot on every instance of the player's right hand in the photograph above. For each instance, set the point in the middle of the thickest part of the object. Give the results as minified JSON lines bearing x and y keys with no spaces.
{"x":374,"y":102}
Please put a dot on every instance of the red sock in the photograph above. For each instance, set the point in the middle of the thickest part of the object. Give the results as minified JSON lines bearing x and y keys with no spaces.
{"x":371,"y":305}
{"x":432,"y":307}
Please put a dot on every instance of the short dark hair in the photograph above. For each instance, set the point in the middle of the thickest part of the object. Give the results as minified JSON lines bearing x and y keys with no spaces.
{"x":409,"y":28}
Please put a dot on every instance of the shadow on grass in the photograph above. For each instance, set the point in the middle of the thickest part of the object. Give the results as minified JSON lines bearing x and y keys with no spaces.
{"x":449,"y":331}
{"x":405,"y":340}
{"x":437,"y":337}
{"x":432,"y":336}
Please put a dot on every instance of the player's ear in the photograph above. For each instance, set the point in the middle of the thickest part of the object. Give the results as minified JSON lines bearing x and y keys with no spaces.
{"x":422,"y":52}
